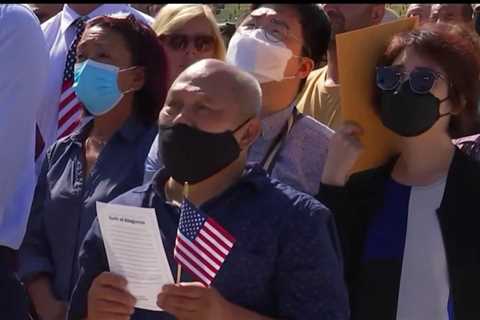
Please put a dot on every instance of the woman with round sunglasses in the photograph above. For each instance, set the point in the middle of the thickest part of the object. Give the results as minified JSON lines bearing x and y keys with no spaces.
{"x":119,"y":78}
{"x":188,"y":33}
{"x":409,"y":229}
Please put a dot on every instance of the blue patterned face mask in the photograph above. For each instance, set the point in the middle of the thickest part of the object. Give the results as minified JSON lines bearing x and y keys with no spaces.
{"x":96,"y":86}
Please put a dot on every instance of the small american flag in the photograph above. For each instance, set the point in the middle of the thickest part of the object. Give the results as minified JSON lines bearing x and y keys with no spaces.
{"x":202,"y":244}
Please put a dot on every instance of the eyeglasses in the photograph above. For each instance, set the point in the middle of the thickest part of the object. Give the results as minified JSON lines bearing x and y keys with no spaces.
{"x":421,"y":79}
{"x":178,"y":41}
{"x":274,"y":31}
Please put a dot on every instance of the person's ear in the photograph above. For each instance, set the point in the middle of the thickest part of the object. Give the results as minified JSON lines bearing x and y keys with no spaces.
{"x":306,"y":66}
{"x":378,"y":11}
{"x":247,"y":135}
{"x":138,"y":78}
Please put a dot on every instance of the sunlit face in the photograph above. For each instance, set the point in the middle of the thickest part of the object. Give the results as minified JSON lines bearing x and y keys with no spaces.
{"x":109,"y":47}
{"x":180,"y":58}
{"x":348,"y":17}
{"x":408,"y":60}
{"x":105,"y":46}
{"x":283,"y":22}
{"x":202,"y":102}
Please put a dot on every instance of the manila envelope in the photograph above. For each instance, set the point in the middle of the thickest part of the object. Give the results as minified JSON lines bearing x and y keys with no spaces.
{"x":358,"y":53}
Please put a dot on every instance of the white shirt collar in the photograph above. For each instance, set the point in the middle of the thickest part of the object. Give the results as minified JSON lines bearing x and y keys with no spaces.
{"x":69,"y":15}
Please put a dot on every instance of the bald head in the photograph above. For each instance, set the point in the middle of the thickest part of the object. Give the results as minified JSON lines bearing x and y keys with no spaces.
{"x":220,"y":79}
{"x":215,"y":97}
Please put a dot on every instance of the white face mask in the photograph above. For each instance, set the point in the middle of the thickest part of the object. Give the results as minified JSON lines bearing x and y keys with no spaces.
{"x":250,"y":51}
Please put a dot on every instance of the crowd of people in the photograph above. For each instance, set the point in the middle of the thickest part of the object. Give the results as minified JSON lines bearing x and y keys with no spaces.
{"x":106,"y":103}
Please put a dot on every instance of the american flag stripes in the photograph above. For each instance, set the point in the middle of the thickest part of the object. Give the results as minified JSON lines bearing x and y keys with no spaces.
{"x":202,"y":244}
{"x":70,"y":108}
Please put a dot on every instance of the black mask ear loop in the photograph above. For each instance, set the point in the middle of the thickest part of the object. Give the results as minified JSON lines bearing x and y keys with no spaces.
{"x":445,"y":114}
{"x":241,"y":125}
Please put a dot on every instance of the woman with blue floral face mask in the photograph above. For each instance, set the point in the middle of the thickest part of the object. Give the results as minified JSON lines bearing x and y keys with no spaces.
{"x":120,"y":79}
{"x":409,"y":229}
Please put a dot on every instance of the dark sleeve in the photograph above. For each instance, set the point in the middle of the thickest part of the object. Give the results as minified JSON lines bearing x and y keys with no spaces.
{"x":310,"y":282}
{"x":335,"y":198}
{"x":93,"y":261}
{"x":34,"y":253}
{"x":352,"y":205}
{"x":346,"y":208}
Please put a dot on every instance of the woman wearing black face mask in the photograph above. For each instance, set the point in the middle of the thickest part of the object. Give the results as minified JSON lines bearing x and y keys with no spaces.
{"x":409,"y":229}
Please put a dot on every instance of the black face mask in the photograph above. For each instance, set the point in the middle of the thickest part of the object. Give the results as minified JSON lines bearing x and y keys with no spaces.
{"x":191,"y":155}
{"x":407,"y":113}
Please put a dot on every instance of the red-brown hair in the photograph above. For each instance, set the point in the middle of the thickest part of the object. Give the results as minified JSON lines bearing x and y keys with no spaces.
{"x":457,"y":52}
{"x":147,"y":52}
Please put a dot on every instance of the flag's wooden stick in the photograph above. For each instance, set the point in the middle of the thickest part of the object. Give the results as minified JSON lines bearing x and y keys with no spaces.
{"x":185,"y":190}
{"x":179,"y":272}
{"x":179,"y":266}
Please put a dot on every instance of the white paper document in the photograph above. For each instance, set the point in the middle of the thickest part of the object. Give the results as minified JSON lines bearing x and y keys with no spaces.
{"x":135,"y":250}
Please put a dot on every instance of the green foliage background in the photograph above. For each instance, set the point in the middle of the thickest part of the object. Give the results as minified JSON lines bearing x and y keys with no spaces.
{"x":232,"y":11}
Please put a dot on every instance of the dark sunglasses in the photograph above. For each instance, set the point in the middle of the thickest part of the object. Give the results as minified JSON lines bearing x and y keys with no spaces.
{"x":178,"y":41}
{"x":421,"y":79}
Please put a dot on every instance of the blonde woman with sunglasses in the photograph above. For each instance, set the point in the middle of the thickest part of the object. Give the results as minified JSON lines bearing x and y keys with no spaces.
{"x":188,"y":33}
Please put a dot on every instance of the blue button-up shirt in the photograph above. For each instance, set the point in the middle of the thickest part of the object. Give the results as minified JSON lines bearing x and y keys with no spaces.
{"x":300,"y":160}
{"x":23,"y":73}
{"x":64,"y":203}
{"x":285,"y":263}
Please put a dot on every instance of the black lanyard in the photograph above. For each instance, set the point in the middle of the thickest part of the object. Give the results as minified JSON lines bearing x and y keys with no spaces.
{"x":271,"y":156}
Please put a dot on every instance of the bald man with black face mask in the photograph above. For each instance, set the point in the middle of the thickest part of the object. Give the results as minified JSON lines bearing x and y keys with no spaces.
{"x":284,"y":263}
{"x":279,"y":44}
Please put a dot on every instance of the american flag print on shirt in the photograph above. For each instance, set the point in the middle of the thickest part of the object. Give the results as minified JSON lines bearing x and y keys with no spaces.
{"x":202,"y":244}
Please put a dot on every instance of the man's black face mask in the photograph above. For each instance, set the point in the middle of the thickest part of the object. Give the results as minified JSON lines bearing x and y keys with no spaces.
{"x":192,"y":155}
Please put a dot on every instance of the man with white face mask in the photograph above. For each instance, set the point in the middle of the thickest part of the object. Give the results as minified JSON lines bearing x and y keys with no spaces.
{"x":279,"y":45}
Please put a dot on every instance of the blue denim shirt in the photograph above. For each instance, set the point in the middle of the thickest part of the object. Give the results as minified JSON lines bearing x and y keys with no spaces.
{"x":64,"y":203}
{"x":286,"y":261}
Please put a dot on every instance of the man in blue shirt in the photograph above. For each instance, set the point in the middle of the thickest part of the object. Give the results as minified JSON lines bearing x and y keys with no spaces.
{"x":285,"y":263}
{"x":23,"y":72}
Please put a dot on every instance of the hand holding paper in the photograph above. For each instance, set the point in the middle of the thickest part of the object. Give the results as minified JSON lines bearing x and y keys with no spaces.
{"x":135,"y":250}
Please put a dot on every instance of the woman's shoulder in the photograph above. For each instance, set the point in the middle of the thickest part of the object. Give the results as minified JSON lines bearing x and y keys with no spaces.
{"x":470,"y":145}
{"x":372,"y":177}
{"x":465,"y":168}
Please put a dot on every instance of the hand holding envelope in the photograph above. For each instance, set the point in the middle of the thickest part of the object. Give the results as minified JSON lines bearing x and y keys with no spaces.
{"x":358,"y":53}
